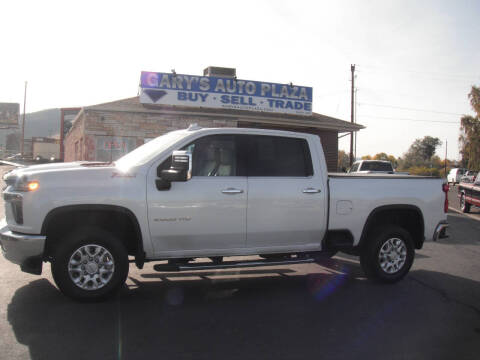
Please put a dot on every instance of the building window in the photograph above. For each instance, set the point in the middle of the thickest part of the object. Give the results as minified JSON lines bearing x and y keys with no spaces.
{"x":111,"y":148}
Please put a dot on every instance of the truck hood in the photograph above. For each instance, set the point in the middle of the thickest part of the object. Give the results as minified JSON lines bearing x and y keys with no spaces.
{"x":56,"y":168}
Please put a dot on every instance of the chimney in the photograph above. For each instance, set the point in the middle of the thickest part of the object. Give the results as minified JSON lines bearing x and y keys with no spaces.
{"x":220,"y":72}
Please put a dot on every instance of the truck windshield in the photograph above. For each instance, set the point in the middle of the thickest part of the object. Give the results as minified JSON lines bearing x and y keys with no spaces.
{"x":148,"y":151}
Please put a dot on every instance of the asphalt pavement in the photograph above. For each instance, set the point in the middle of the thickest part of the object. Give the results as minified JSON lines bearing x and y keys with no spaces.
{"x":286,"y":312}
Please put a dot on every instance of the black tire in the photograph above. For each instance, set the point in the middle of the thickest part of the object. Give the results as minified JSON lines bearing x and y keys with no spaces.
{"x":370,"y":259}
{"x":98,"y":238}
{"x":464,"y":206}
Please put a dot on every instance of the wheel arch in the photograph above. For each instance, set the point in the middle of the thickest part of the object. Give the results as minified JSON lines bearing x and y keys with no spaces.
{"x":95,"y":214}
{"x":408,"y":216}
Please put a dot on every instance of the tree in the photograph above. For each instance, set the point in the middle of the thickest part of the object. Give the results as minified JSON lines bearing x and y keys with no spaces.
{"x":385,"y":157}
{"x":343,"y":160}
{"x":366,"y":157}
{"x":420,"y":152}
{"x":470,"y":133}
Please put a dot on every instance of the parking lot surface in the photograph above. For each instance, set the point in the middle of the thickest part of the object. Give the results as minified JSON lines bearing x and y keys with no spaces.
{"x":327,"y":311}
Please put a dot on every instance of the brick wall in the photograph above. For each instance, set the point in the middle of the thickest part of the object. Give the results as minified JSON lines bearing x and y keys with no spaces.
{"x":74,"y":139}
{"x":137,"y":125}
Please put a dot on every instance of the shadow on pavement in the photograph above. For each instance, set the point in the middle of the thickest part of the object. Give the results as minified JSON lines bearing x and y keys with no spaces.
{"x":461,"y":230}
{"x":333,"y":316}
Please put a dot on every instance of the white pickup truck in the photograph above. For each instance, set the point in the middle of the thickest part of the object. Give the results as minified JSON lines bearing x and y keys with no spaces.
{"x":211,"y":194}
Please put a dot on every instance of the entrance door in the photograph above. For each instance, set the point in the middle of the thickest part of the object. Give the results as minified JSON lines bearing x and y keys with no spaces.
{"x":206,"y":213}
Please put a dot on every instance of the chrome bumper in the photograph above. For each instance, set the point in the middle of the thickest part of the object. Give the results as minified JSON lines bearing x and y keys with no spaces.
{"x":22,"y":249}
{"x":440,"y":230}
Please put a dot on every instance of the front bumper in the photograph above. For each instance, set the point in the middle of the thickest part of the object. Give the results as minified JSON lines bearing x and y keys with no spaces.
{"x":23,"y":249}
{"x":440,"y":230}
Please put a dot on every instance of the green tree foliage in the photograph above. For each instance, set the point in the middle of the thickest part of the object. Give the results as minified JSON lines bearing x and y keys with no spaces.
{"x":470,"y":133}
{"x":366,"y":157}
{"x":343,"y":161}
{"x":420,"y":152}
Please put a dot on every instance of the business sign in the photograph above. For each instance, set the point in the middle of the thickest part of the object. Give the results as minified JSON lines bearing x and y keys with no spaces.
{"x":226,"y":93}
{"x":9,"y":113}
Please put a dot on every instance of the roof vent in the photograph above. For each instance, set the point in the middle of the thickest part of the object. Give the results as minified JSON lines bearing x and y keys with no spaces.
{"x":220,"y":72}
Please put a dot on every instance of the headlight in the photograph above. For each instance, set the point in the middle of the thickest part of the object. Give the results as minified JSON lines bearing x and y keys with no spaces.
{"x":24,"y":184}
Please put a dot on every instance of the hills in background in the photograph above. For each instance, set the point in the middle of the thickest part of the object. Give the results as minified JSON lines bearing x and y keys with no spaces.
{"x":45,"y":123}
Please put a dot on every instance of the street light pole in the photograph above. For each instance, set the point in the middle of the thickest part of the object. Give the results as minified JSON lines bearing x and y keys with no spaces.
{"x":352,"y":68}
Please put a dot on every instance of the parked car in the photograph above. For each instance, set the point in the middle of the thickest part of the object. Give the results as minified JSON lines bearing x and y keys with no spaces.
{"x":469,"y":194}
{"x":469,"y":176}
{"x":213,"y":193}
{"x":455,"y":175}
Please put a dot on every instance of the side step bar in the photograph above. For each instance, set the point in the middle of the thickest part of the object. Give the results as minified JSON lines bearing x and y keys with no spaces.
{"x":229,"y":264}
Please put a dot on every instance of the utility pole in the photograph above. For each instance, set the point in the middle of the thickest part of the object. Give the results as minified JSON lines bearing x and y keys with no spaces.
{"x":446,"y":146}
{"x":352,"y":68}
{"x":355,"y":118}
{"x":23,"y":120}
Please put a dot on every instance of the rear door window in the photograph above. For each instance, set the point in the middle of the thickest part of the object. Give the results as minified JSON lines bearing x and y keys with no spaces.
{"x":278,"y":156}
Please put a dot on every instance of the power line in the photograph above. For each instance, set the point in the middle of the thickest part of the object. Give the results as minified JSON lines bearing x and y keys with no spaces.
{"x":410,"y":119}
{"x":455,"y":76}
{"x":411,"y":109}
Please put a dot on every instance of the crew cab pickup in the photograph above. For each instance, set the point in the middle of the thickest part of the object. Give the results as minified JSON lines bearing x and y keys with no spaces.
{"x":469,"y":194}
{"x":212,"y":194}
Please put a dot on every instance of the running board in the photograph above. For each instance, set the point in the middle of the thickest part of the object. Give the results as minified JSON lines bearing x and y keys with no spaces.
{"x":229,"y":264}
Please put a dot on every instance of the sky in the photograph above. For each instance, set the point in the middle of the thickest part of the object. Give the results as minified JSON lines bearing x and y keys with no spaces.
{"x":415,"y":60}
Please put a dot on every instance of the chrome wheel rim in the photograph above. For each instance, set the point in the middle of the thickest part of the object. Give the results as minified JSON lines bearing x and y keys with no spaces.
{"x":462,"y":202}
{"x":393,"y":255}
{"x":91,"y":267}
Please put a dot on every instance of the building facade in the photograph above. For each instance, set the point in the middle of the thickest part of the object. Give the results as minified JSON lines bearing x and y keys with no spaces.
{"x":105,"y":132}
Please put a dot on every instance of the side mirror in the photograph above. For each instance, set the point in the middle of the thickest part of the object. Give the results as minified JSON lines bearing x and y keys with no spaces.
{"x":181,"y":167}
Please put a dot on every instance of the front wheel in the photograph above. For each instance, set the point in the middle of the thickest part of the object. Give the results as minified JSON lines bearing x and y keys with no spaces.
{"x":388,"y":254}
{"x":90,"y":264}
{"x":464,"y":206}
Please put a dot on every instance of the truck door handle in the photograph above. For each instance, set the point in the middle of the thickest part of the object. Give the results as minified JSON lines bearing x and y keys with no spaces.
{"x":232,"y":191}
{"x":311,"y":191}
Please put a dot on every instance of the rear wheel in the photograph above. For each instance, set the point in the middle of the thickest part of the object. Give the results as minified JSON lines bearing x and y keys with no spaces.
{"x":464,"y":206}
{"x":388,"y":254}
{"x":90,"y":264}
